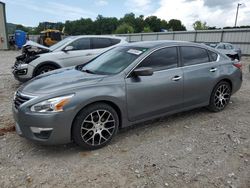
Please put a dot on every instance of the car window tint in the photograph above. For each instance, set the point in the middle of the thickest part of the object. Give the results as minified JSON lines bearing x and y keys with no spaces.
{"x":161,"y":59}
{"x":100,"y":43}
{"x":81,"y":44}
{"x":193,"y":55}
{"x":115,"y":41}
{"x":213,"y":55}
{"x":229,"y":47}
{"x":221,"y":46}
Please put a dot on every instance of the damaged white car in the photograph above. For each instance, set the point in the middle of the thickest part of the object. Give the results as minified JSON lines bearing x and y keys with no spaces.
{"x":37,"y":59}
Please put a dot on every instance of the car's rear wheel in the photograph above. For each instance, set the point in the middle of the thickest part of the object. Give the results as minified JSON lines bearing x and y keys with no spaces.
{"x":95,"y":126}
{"x":220,"y":96}
{"x":45,"y":68}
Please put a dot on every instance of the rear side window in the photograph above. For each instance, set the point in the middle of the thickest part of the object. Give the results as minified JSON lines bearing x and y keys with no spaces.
{"x":115,"y":41}
{"x":81,"y":44}
{"x":221,"y":46}
{"x":193,"y":55}
{"x":161,"y":59}
{"x":101,"y":43}
{"x":229,"y":47}
{"x":213,"y":56}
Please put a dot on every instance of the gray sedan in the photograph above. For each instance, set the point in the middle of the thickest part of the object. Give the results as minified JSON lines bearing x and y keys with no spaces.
{"x":126,"y":85}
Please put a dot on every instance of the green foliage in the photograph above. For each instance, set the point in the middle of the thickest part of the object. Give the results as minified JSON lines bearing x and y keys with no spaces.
{"x":147,"y":29}
{"x":105,"y":25}
{"x":124,"y":28}
{"x":199,"y":25}
{"x":176,"y":25}
{"x":129,"y":23}
{"x":154,"y":23}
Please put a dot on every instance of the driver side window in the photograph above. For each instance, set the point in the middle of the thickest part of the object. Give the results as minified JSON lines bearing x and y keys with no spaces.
{"x":162,"y":59}
{"x":81,"y":44}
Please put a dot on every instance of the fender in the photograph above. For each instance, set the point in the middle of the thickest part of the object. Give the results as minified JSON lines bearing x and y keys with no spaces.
{"x":46,"y":63}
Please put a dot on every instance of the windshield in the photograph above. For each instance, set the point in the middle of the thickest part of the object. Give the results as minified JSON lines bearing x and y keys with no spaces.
{"x":114,"y":60}
{"x":62,"y":42}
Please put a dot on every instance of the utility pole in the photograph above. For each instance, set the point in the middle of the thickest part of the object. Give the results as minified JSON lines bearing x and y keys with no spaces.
{"x":237,"y":14}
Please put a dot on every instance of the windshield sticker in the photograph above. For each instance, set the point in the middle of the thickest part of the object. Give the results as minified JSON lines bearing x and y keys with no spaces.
{"x":134,"y":51}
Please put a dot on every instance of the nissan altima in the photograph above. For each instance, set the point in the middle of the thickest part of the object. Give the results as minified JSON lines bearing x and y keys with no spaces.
{"x":128,"y":84}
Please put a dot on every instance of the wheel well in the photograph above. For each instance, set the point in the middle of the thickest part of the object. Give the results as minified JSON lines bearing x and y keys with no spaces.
{"x":228,"y":81}
{"x":44,"y":64}
{"x":113,"y":105}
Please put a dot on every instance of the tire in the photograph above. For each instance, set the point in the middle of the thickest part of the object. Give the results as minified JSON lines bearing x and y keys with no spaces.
{"x":220,"y":97}
{"x":45,"y":68}
{"x":89,"y":128}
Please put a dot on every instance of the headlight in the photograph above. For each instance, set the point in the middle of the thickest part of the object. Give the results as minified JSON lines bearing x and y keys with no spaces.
{"x":52,"y":105}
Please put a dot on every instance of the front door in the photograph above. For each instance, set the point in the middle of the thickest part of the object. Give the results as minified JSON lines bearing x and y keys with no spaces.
{"x":159,"y":93}
{"x":81,"y":53}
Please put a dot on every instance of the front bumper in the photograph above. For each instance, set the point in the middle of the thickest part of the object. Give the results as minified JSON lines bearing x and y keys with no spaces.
{"x":22,"y":71}
{"x":45,"y":128}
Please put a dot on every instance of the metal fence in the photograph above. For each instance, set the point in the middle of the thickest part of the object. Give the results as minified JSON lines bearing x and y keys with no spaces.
{"x":238,"y":37}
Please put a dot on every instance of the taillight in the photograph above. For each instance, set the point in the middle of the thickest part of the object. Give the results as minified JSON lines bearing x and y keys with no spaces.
{"x":238,"y":65}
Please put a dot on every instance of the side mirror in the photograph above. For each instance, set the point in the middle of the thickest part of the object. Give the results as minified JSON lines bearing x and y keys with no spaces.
{"x":68,"y":48}
{"x":143,"y":71}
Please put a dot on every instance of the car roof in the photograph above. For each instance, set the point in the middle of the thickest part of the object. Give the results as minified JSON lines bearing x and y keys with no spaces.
{"x":162,"y":43}
{"x":97,"y":36}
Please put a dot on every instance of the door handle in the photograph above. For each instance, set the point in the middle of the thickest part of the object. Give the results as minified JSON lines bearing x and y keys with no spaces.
{"x":89,"y":54}
{"x":176,"y":78}
{"x":213,"y":69}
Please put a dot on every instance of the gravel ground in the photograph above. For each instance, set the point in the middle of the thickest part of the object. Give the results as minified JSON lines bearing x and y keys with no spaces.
{"x":190,"y":149}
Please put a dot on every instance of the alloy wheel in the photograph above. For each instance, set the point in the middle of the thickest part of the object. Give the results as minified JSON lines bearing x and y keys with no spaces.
{"x":98,"y":127}
{"x":222,"y":96}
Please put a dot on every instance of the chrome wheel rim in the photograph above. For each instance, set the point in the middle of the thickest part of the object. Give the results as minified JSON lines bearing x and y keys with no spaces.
{"x":222,"y":96}
{"x":98,"y":127}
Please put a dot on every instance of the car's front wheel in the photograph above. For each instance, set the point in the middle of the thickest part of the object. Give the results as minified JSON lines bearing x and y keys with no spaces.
{"x":45,"y":68}
{"x":220,"y":96}
{"x":95,"y":126}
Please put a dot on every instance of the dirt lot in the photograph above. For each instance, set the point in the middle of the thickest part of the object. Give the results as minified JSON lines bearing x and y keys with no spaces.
{"x":191,"y":149}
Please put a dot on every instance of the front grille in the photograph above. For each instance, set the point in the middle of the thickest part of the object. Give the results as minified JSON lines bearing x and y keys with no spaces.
{"x":20,"y":99}
{"x":17,"y":63}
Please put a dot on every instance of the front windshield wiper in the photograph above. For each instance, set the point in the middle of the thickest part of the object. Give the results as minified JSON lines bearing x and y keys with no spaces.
{"x":88,"y":71}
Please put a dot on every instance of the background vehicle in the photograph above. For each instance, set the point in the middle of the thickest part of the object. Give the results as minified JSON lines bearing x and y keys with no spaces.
{"x":37,"y":59}
{"x":50,"y":37}
{"x":227,"y":49}
{"x":125,"y":85}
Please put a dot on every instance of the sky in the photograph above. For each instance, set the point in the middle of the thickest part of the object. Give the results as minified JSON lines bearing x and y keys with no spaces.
{"x":219,"y":13}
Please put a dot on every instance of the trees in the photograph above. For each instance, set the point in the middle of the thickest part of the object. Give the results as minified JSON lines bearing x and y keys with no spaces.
{"x":124,"y":28}
{"x":154,"y":23}
{"x":199,"y":25}
{"x":146,"y":29}
{"x":129,"y":23}
{"x":105,"y":25}
{"x":176,"y":25}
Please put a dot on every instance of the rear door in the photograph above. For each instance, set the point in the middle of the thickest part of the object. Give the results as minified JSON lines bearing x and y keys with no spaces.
{"x":161,"y":92}
{"x":200,"y":71}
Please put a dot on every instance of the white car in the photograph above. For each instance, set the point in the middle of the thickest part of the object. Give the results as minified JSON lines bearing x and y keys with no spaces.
{"x":227,"y":49}
{"x":37,"y":59}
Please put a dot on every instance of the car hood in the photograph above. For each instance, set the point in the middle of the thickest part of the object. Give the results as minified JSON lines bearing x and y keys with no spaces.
{"x":59,"y":80}
{"x":35,"y":45}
